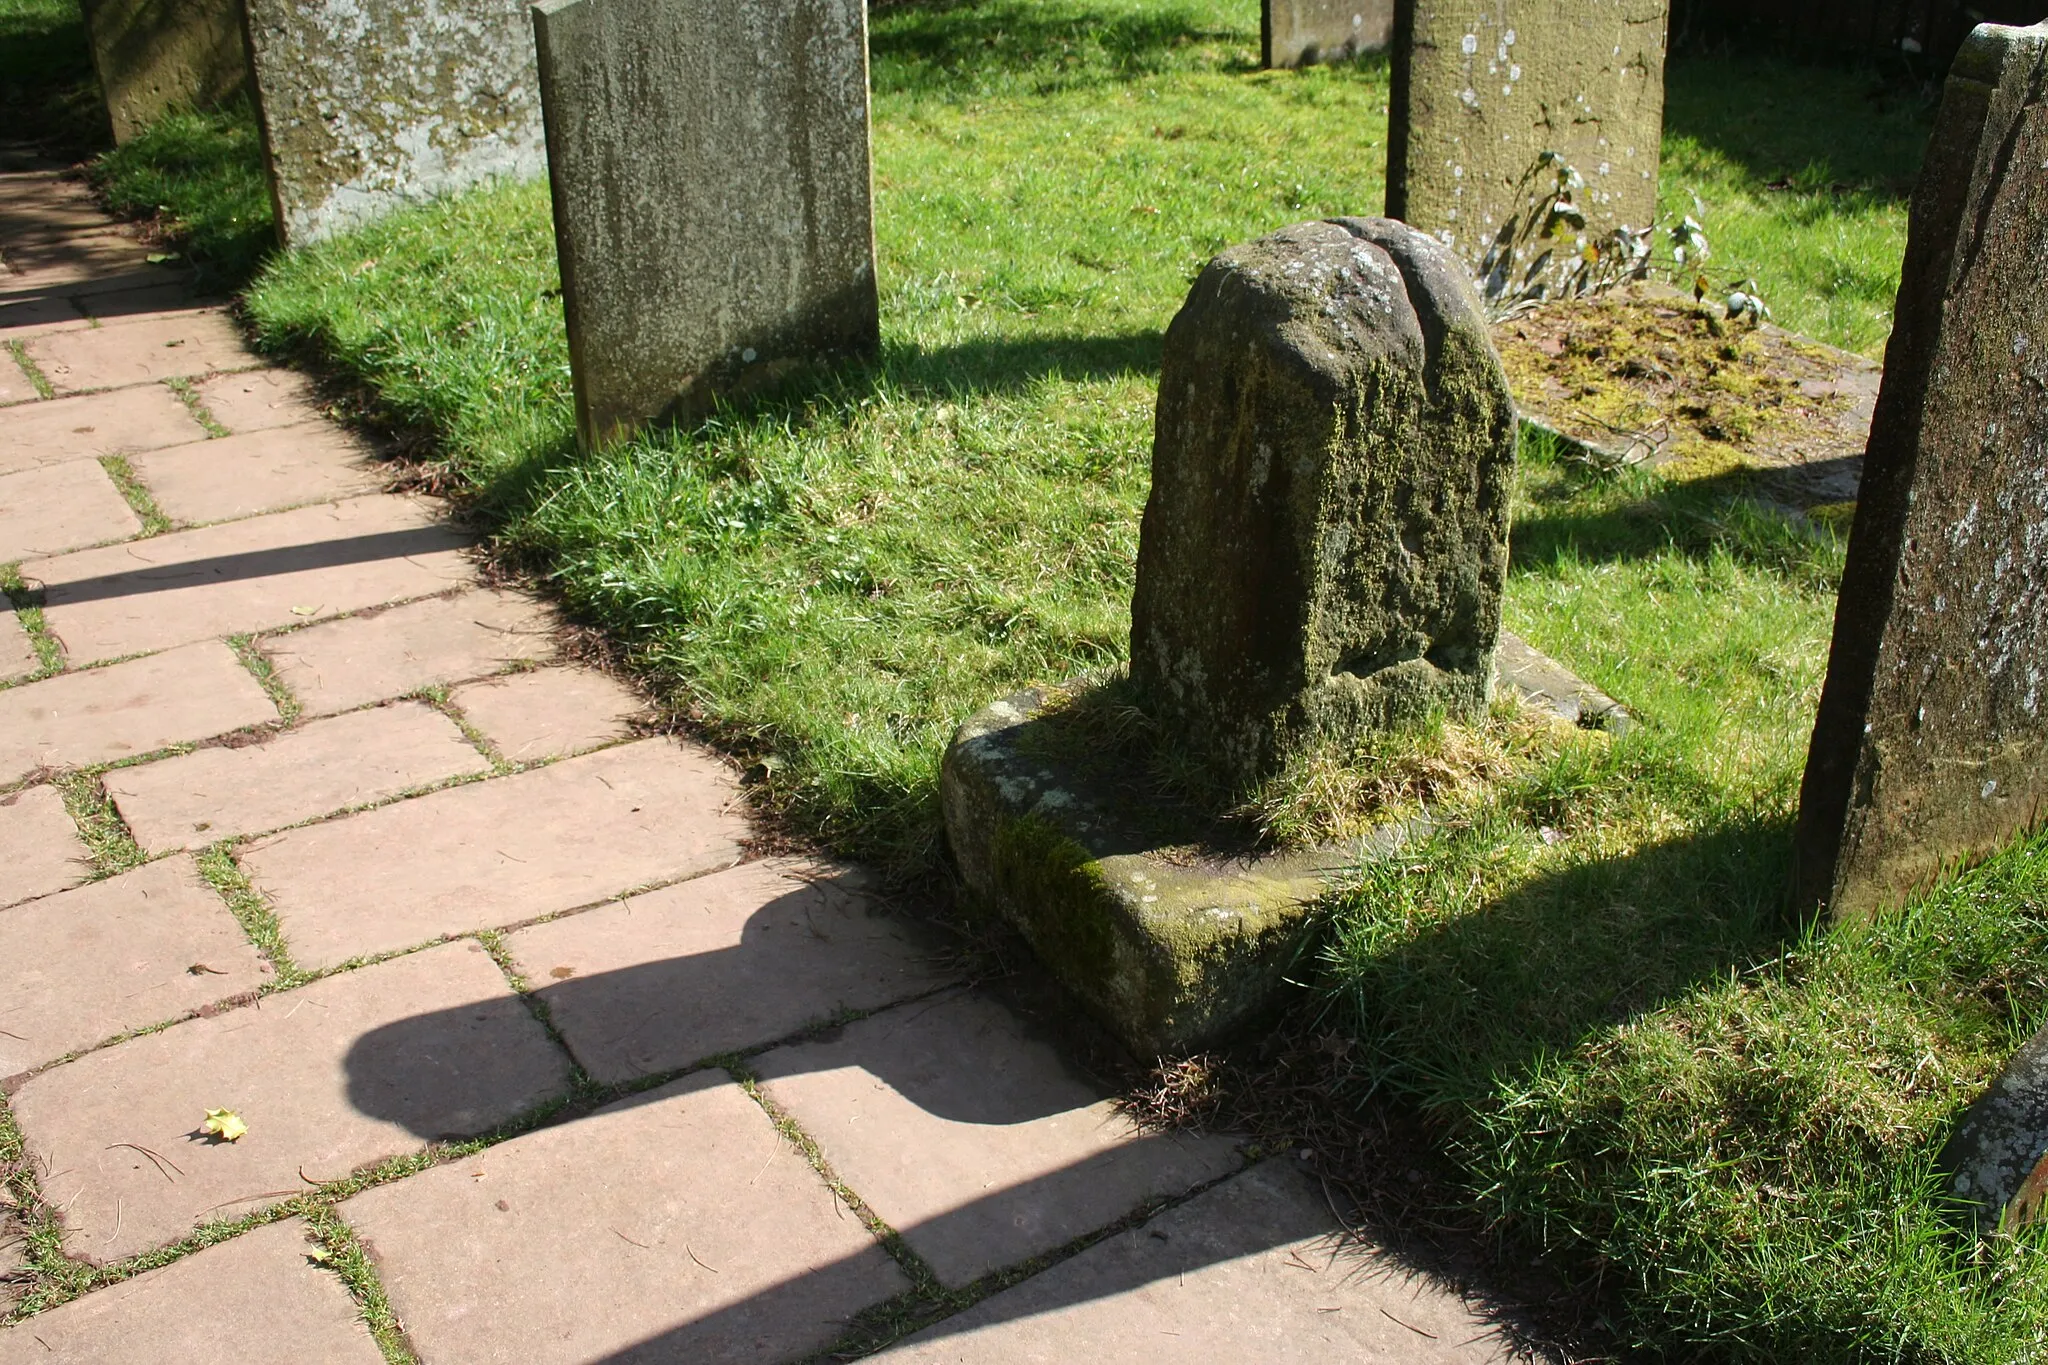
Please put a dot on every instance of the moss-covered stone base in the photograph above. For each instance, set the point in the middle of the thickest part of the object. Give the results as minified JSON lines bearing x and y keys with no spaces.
{"x":1169,"y":943}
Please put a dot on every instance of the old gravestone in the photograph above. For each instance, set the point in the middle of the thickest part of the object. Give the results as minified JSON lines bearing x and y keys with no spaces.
{"x":1323,"y":553}
{"x":368,"y":105}
{"x":1304,"y":32}
{"x":1482,"y":88}
{"x":1931,"y":744}
{"x":709,"y":163}
{"x":154,"y":56}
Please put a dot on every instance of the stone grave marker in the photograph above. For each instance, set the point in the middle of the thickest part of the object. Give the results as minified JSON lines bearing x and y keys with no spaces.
{"x":1482,"y":88}
{"x":1305,"y":32}
{"x":367,"y":107}
{"x":1324,"y":546}
{"x":154,"y":56}
{"x":1931,"y":743}
{"x":1323,"y":554}
{"x":712,"y":200}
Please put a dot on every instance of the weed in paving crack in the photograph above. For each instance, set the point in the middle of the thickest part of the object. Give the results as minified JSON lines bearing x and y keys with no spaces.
{"x":344,"y":1253}
{"x":140,"y":500}
{"x":108,"y":840}
{"x":188,"y":394}
{"x":31,"y":369}
{"x":28,"y":613}
{"x":217,"y":864}
{"x":265,"y":672}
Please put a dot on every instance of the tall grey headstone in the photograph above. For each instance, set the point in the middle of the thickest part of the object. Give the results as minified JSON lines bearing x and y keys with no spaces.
{"x":1305,"y":32}
{"x":1325,"y":545}
{"x":369,"y":105}
{"x":1482,"y":88}
{"x":156,"y":56}
{"x":712,"y":195}
{"x":1931,"y":744}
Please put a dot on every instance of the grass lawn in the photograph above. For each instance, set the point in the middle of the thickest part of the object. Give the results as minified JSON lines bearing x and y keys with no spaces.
{"x":1720,"y":1126}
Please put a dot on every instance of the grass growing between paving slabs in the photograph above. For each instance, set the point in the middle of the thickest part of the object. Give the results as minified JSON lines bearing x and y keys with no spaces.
{"x":1719,"y":1126}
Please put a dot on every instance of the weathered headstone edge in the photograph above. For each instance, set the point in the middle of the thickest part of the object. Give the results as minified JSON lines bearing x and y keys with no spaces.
{"x":1840,"y":759}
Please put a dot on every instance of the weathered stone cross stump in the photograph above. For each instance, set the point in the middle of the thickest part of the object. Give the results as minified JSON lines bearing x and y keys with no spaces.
{"x":1322,"y":558}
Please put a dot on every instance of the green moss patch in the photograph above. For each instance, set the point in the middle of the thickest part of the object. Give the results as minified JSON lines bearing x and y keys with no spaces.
{"x":1653,"y":377}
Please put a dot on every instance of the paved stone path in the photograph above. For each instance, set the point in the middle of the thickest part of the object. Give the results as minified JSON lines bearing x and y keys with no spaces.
{"x":300,"y":819}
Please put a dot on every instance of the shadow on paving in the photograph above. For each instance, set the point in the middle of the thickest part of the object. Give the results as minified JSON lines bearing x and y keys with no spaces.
{"x":1483,"y":995}
{"x":285,"y":559}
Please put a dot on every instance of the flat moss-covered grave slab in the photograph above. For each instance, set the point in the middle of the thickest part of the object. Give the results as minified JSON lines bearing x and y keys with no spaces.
{"x":1168,"y":934}
{"x":1646,"y":375}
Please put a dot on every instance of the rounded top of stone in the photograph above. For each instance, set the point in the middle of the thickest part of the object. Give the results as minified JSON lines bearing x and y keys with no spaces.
{"x":1360,"y":291}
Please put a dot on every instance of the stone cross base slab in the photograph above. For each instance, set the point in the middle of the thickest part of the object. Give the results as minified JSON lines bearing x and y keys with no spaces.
{"x":1170,"y":945}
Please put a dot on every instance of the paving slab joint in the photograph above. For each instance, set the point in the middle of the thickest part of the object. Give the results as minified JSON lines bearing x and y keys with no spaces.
{"x":438,"y":697}
{"x":350,"y":1262}
{"x":259,"y":922}
{"x":188,"y":394}
{"x":111,"y":845}
{"x":289,"y":707}
{"x":36,"y":377}
{"x":924,"y":1280}
{"x":138,"y":497}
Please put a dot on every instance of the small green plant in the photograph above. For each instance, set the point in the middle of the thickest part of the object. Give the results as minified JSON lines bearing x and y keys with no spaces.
{"x":1542,"y":252}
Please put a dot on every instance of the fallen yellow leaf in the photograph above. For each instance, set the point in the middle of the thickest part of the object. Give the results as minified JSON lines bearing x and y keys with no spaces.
{"x":224,"y":1124}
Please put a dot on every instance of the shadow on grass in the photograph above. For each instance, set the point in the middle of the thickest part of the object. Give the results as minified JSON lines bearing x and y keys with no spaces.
{"x":942,"y":46}
{"x":1489,"y":990}
{"x":49,"y":95}
{"x":1743,"y":513}
{"x":1849,"y":135}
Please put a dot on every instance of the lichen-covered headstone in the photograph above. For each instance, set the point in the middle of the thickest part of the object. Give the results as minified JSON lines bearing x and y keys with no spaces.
{"x":1305,"y":32}
{"x":709,"y":163}
{"x":1324,"y":548}
{"x":369,"y":105}
{"x":154,"y":56}
{"x":1996,"y":1160}
{"x":1931,"y":744}
{"x":1482,"y":88}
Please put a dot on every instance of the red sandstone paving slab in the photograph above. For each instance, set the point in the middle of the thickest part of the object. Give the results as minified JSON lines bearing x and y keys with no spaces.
{"x":549,"y":712}
{"x":676,"y":1225}
{"x":251,"y":575}
{"x":256,"y":1300}
{"x":1252,"y":1270}
{"x":309,"y":771}
{"x":84,"y":965}
{"x":33,"y":316}
{"x":719,"y":964}
{"x":140,"y":352}
{"x":264,"y":471}
{"x":40,"y":851}
{"x":331,"y":1077}
{"x":104,"y":714}
{"x":256,"y":400}
{"x":972,"y":1140}
{"x":80,"y":263}
{"x":148,"y":301}
{"x":36,"y":211}
{"x":344,"y":664}
{"x":59,"y":507}
{"x":17,"y":652}
{"x":97,"y":424}
{"x":499,"y":852}
{"x":15,"y":385}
